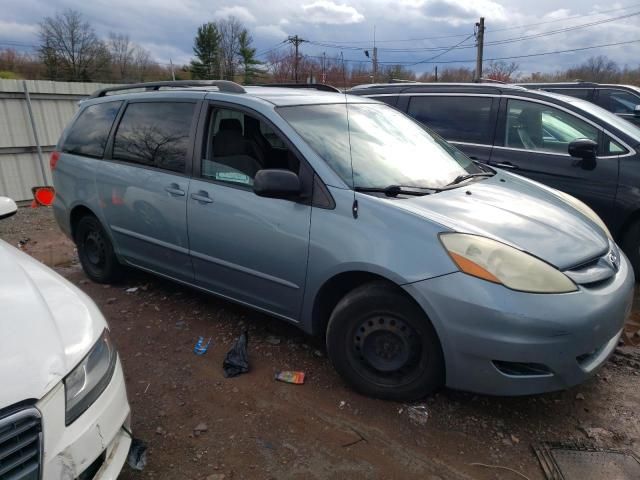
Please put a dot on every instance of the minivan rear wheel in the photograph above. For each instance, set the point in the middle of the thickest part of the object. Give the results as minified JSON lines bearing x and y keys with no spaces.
{"x":95,"y":251}
{"x":383,"y":344}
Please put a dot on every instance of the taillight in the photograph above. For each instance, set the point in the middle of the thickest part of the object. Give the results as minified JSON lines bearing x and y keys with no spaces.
{"x":53,"y":159}
{"x":43,"y":196}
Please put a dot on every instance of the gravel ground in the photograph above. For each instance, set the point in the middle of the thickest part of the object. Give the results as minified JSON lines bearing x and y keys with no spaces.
{"x":200,"y":425}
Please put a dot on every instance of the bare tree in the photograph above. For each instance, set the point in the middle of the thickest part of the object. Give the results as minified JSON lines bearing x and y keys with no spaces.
{"x":70,"y":47}
{"x":596,"y":69}
{"x":141,"y":64}
{"x":501,"y":71}
{"x":121,"y":50}
{"x":229,"y":30}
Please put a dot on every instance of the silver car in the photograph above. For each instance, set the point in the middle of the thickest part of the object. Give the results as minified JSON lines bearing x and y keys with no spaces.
{"x":345,"y":217}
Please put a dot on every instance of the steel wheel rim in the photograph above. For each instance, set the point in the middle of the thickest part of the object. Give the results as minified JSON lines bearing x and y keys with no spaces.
{"x":386,"y":350}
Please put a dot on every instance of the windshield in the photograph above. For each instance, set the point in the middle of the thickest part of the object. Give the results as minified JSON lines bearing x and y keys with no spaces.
{"x":387,"y":147}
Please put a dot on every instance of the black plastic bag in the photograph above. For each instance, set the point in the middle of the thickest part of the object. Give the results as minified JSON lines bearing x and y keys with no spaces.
{"x":137,"y":458}
{"x":237,"y":359}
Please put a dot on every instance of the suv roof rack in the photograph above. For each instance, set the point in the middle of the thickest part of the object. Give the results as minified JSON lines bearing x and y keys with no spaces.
{"x":323,"y":87}
{"x":226,"y":86}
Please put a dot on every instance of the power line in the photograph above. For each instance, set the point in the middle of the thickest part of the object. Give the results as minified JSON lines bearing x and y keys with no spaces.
{"x":513,"y":57}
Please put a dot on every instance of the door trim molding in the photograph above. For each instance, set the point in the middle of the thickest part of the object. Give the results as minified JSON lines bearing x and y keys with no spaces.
{"x":239,"y":268}
{"x":147,"y":239}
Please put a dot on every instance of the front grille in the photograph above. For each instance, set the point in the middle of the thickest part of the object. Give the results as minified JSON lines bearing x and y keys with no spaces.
{"x":20,"y":445}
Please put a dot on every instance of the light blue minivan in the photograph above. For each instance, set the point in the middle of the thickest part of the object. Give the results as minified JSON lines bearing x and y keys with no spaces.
{"x":347,"y":218}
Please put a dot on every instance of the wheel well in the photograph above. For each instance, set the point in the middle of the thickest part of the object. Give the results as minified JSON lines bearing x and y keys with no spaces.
{"x":333,"y":291}
{"x":76,"y":214}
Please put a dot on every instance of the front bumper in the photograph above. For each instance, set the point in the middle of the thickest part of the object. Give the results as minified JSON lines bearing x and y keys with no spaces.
{"x":95,"y":440}
{"x":501,"y":342}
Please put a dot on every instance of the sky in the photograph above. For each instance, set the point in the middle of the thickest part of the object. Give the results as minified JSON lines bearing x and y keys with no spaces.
{"x":410,"y":32}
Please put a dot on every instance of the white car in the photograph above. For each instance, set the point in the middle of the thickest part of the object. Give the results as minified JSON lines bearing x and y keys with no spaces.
{"x":64,"y":412}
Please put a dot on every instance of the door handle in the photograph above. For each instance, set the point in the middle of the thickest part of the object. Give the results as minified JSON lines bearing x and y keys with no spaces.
{"x":174,"y":189}
{"x":202,"y":197}
{"x":507,"y":165}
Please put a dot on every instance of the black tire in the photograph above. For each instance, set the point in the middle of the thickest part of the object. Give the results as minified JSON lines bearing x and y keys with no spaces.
{"x":383,"y":344}
{"x":95,"y":251}
{"x":631,"y":247}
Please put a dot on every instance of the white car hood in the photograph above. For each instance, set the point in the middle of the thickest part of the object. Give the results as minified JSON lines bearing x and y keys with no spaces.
{"x":47,"y":326}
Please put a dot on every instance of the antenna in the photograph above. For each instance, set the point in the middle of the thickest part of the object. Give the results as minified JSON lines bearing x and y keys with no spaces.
{"x":354,"y":208}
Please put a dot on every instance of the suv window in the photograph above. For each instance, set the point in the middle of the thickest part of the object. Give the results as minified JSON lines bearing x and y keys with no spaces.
{"x":239,"y":144}
{"x":388,"y":99}
{"x":462,"y":119}
{"x":617,"y":101}
{"x":89,"y":134}
{"x":155,"y":134}
{"x":572,"y":92}
{"x":534,"y":126}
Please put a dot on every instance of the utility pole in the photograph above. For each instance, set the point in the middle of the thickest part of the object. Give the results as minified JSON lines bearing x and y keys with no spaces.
{"x":296,"y":41}
{"x":324,"y":67}
{"x":173,"y":73}
{"x":436,"y":75}
{"x":375,"y":56}
{"x":480,"y":45}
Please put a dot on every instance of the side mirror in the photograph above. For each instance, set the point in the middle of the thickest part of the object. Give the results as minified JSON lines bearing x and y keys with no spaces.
{"x":276,"y":183}
{"x":7,"y":207}
{"x":636,"y":111}
{"x":583,"y":148}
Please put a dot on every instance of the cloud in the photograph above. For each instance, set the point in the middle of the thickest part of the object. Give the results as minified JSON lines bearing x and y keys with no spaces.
{"x":327,"y":12}
{"x":17,"y":31}
{"x":457,"y":13}
{"x":241,"y":13}
{"x":271,"y":31}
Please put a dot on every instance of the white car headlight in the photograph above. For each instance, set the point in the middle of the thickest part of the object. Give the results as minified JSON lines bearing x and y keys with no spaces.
{"x":91,"y":376}
{"x":584,"y":209}
{"x":499,"y":263}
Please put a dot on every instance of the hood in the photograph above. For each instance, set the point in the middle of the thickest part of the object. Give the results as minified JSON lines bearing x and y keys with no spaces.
{"x":47,"y":326}
{"x":519,"y":212}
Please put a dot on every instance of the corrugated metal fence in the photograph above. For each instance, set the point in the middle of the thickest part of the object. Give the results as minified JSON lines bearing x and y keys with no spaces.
{"x":33,"y":114}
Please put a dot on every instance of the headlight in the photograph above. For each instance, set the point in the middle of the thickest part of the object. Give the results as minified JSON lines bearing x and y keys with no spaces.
{"x":584,"y":209}
{"x":88,"y":380}
{"x":499,"y":263}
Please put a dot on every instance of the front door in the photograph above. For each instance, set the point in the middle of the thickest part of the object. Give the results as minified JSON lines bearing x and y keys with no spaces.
{"x":143,"y":186}
{"x":533,"y":141}
{"x":245,"y":247}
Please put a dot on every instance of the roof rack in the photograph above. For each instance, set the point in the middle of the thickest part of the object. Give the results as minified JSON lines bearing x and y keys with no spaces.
{"x":223,"y":85}
{"x":323,"y":87}
{"x":490,"y":80}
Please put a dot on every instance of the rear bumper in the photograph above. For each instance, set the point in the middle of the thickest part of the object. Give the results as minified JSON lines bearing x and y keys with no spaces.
{"x":500,"y":342}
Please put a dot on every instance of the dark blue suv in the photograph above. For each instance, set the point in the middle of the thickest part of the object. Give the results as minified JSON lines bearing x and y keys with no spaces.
{"x":561,"y":141}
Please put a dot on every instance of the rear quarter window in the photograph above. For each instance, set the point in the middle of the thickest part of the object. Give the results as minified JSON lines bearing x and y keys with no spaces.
{"x":89,"y":133}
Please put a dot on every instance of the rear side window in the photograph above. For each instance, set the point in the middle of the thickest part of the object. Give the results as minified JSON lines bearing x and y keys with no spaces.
{"x":388,"y":99}
{"x":88,"y":135}
{"x":618,"y":101}
{"x":462,"y":119}
{"x":572,"y":92}
{"x":155,"y":134}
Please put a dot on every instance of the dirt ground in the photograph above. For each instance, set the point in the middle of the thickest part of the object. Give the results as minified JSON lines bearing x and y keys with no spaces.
{"x":262,"y":429}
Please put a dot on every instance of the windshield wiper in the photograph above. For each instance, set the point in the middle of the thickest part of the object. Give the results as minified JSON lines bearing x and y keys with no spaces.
{"x":462,"y":178}
{"x":395,"y":190}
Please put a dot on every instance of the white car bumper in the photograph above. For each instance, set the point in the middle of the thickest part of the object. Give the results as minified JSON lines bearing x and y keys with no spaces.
{"x":96,"y":436}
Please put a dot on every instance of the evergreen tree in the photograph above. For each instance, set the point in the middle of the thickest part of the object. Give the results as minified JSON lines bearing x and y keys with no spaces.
{"x":206,"y":48}
{"x":248,"y":57}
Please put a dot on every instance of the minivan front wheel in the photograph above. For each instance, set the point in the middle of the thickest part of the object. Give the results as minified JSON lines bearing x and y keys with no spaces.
{"x":95,"y":251}
{"x":383,"y":344}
